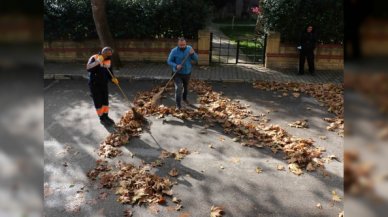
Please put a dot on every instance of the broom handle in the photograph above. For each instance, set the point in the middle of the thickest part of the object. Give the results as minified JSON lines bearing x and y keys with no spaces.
{"x":183,"y":62}
{"x":121,"y":90}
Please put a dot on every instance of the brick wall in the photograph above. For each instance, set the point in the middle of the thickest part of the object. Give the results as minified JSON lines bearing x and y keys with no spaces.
{"x":155,"y":50}
{"x":286,"y":56}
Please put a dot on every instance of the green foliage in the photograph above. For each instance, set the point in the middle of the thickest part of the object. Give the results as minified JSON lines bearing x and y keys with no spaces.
{"x":291,"y":17}
{"x":73,"y":19}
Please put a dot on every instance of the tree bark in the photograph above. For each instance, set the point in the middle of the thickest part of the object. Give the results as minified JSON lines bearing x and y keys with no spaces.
{"x":239,"y":8}
{"x":103,"y":30}
{"x":259,"y":28}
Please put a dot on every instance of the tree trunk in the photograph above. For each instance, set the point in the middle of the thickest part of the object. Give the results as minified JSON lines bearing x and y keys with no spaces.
{"x":239,"y":8}
{"x":102,"y":27}
{"x":259,"y":28}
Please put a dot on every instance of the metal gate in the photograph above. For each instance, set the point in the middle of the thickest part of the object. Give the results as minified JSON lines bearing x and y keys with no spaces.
{"x":226,"y":51}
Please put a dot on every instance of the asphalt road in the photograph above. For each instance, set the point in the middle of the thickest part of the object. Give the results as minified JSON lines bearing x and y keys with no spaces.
{"x":73,"y":134}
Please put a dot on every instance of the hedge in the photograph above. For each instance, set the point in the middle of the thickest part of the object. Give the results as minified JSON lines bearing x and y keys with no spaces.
{"x":73,"y":19}
{"x":291,"y":17}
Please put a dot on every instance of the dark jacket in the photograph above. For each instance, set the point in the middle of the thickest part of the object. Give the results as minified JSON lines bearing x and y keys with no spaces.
{"x":98,"y":75}
{"x":308,"y":41}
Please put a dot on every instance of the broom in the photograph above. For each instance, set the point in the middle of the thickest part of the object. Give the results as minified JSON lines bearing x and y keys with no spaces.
{"x":158,"y":95}
{"x":136,"y":115}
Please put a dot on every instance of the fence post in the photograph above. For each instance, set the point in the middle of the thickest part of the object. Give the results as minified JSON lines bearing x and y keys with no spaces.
{"x":265,"y":47}
{"x":238,"y":50}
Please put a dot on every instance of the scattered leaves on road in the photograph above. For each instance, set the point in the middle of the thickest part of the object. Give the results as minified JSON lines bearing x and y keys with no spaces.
{"x":299,"y":124}
{"x":329,"y":95}
{"x":259,"y":170}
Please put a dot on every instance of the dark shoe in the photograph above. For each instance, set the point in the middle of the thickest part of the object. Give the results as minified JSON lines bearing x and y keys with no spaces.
{"x":104,"y":121}
{"x":110,"y":120}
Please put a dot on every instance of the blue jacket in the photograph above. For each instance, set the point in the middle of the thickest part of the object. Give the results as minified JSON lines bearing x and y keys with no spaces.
{"x":176,"y":57}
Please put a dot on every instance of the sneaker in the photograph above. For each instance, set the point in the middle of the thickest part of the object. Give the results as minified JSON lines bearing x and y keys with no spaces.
{"x":177,"y":109}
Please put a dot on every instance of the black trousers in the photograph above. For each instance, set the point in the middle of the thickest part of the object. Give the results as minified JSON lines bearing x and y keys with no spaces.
{"x":99,"y":93}
{"x":309,"y":55}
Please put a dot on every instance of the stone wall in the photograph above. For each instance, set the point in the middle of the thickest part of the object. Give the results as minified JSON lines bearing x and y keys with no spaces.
{"x":155,"y":50}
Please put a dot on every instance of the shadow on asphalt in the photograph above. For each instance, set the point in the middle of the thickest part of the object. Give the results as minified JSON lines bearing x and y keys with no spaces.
{"x":85,"y":134}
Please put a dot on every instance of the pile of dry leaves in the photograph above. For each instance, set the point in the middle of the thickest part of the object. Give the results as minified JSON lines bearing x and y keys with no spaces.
{"x":132,"y":184}
{"x":331,"y":95}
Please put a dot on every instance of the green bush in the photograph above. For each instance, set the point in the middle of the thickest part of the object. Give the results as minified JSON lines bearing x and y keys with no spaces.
{"x":291,"y":17}
{"x":73,"y":19}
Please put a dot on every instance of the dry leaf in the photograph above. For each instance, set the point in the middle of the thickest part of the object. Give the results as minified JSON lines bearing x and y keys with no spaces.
{"x":323,"y":137}
{"x":319,"y":206}
{"x":184,"y":151}
{"x":216,"y":211}
{"x":299,"y":124}
{"x":176,"y":200}
{"x":161,"y":200}
{"x":296,"y":94}
{"x":333,"y":157}
{"x":128,"y":213}
{"x":259,"y":170}
{"x":310,"y":167}
{"x":335,"y":197}
{"x":280,"y":167}
{"x":173,"y":172}
{"x":178,"y":207}
{"x":341,"y":214}
{"x":294,"y":168}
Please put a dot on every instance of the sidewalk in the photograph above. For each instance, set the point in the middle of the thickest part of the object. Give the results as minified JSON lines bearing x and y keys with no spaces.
{"x":224,"y":73}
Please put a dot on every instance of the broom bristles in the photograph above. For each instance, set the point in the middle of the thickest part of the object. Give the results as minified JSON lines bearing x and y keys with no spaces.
{"x":136,"y":114}
{"x":156,"y":98}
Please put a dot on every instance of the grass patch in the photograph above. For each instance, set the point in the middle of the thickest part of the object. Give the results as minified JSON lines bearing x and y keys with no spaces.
{"x":239,"y":32}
